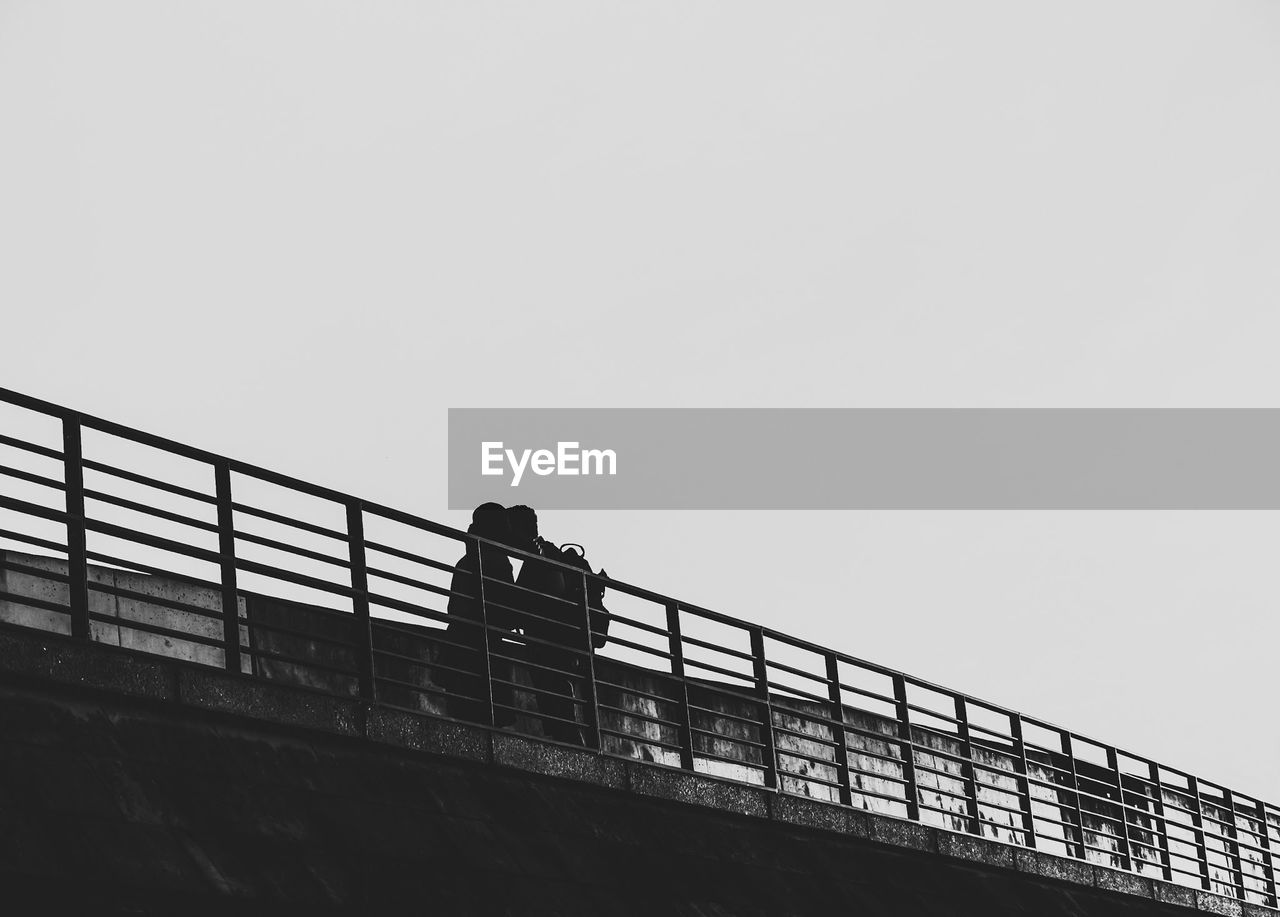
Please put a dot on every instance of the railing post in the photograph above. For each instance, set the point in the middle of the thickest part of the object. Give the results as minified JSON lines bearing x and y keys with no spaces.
{"x":907,"y":741}
{"x":837,"y":730}
{"x":1076,"y":808}
{"x":360,"y":600}
{"x":591,"y":706}
{"x":676,"y":644}
{"x":1126,"y":850}
{"x":486,"y":666}
{"x":966,"y":767}
{"x":227,"y":564}
{"x":1268,"y":860}
{"x":761,"y":666}
{"x":77,"y":559}
{"x":1202,"y":849}
{"x":1023,"y":779}
{"x":1237,"y":867}
{"x":1161,"y":821}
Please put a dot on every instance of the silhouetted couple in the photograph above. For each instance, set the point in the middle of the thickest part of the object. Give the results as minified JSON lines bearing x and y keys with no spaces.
{"x":542,"y":609}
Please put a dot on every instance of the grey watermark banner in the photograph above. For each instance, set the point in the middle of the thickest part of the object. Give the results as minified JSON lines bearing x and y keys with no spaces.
{"x":764,"y":458}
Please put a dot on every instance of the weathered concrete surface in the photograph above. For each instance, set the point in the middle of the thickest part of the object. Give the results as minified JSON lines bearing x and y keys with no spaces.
{"x":164,"y":788}
{"x":123,"y":606}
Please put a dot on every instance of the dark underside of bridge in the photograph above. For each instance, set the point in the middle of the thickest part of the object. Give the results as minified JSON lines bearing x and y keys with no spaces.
{"x":132,"y":785}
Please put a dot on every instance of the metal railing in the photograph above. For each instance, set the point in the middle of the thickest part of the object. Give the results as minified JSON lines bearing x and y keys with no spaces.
{"x":274,"y":577}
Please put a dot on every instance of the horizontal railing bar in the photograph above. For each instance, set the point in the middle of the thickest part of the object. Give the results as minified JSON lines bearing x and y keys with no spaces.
{"x":30,"y":447}
{"x":544,"y":692}
{"x":152,"y":541}
{"x":811,"y":676}
{"x":640,"y":740}
{"x":417,"y":661}
{"x":796,"y":693}
{"x":291,"y":549}
{"x":615,"y":640}
{"x":738,"y":762}
{"x":805,"y":756}
{"x":933,"y":713}
{"x":33,"y":602}
{"x":32,"y":540}
{"x":729,"y":673}
{"x":636,"y":714}
{"x":384,"y":679}
{"x":410,"y":556}
{"x":147,"y":481}
{"x":540,"y":666}
{"x":800,"y":777}
{"x":636,"y":692}
{"x":759,"y":721}
{"x":557,"y":647}
{"x":145,"y":599}
{"x":616,"y":618}
{"x":36,"y":572}
{"x":863,"y":692}
{"x":411,"y":582}
{"x":32,"y":477}
{"x":876,"y":794}
{"x":141,"y":567}
{"x":159,"y":629}
{"x":703,"y":644}
{"x":298,"y":579}
{"x":780,"y":708}
{"x":960,"y":816}
{"x":27,"y":508}
{"x":260,"y":653}
{"x":259,"y":513}
{"x":391,"y":603}
{"x":410,"y":630}
{"x":168,"y":516}
{"x":255,"y":627}
{"x":888,"y":759}
{"x":733,"y":740}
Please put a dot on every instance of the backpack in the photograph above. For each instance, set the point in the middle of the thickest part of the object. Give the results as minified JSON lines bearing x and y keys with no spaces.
{"x":575,"y":555}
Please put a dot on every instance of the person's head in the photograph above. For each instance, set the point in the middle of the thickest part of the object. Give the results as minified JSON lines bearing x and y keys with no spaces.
{"x":524,"y":527}
{"x":489,"y":520}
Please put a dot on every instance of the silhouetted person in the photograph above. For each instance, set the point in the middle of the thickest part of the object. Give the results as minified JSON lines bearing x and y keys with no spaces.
{"x":555,"y":626}
{"x":463,"y":653}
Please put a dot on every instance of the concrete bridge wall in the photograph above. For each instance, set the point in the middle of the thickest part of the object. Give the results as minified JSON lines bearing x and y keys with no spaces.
{"x":640,"y":698}
{"x":148,"y":785}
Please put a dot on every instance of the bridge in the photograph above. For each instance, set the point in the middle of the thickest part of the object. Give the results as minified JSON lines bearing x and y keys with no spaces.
{"x":163,"y":607}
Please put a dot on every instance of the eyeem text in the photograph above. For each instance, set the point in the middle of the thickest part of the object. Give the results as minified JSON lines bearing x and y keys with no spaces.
{"x":568,"y":459}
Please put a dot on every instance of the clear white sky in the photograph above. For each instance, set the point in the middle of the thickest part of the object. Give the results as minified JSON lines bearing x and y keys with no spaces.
{"x":297,"y":232}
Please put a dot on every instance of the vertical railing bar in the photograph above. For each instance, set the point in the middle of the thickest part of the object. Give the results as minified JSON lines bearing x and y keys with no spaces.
{"x":967,"y":774}
{"x":1268,"y":861}
{"x":1126,"y":850}
{"x":1161,"y":820}
{"x":591,"y":707}
{"x":761,"y":669}
{"x":360,"y":599}
{"x":907,"y":741}
{"x":676,"y":645}
{"x":1233,"y":842}
{"x":1024,"y":778}
{"x":1202,"y":848}
{"x":1069,"y":750}
{"x":486,"y":662}
{"x":843,"y":777}
{"x":77,"y":548}
{"x":227,"y":565}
